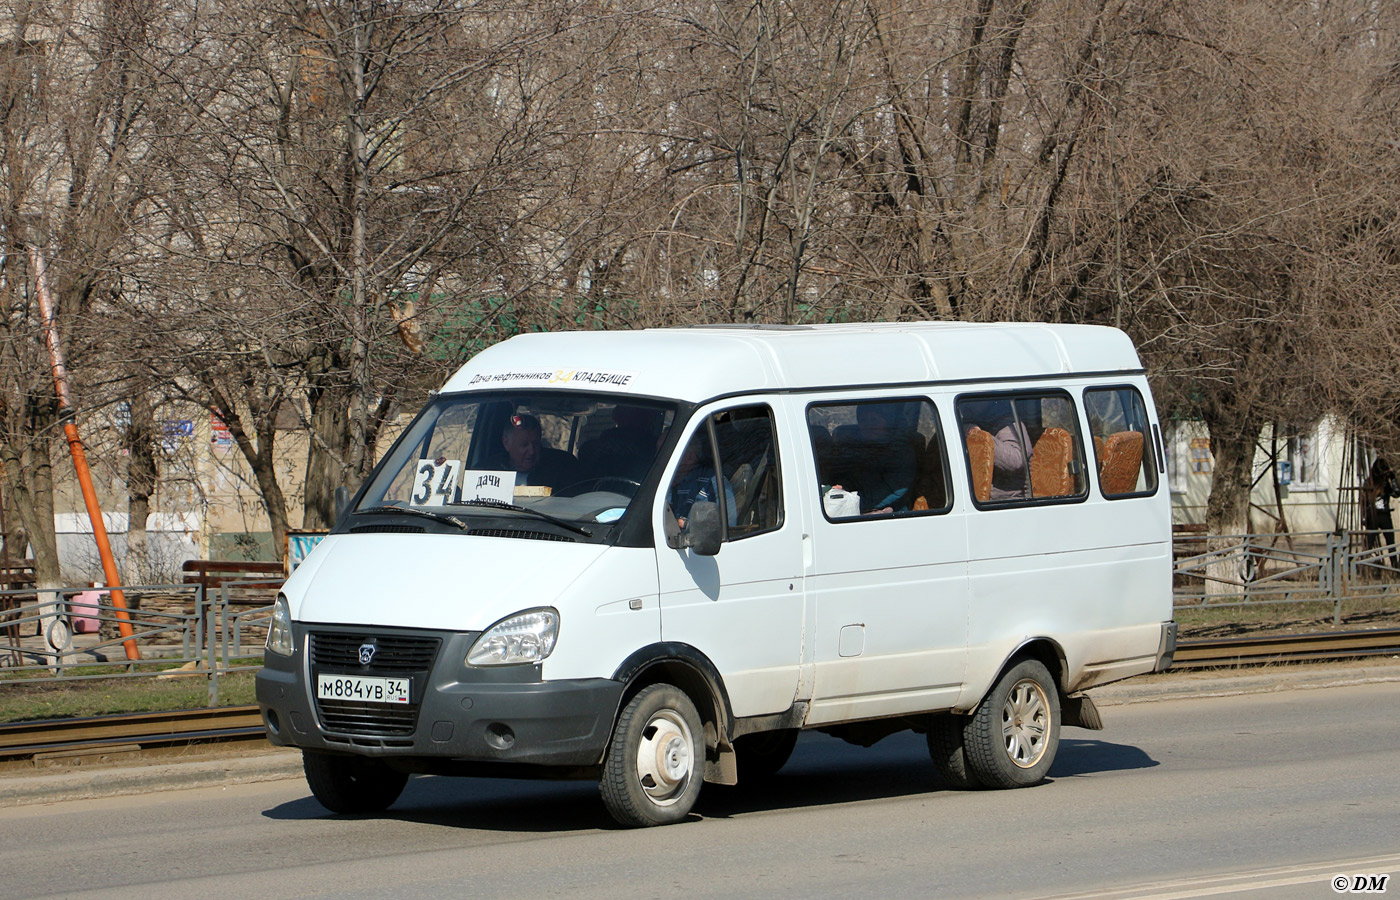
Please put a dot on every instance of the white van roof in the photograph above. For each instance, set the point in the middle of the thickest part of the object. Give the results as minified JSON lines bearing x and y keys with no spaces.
{"x":698,"y":363}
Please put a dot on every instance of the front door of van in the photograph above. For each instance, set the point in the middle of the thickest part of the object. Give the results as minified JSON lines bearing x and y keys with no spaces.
{"x":743,"y":607}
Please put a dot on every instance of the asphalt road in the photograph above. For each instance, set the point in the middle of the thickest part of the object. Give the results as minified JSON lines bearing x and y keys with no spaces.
{"x":1259,"y":796}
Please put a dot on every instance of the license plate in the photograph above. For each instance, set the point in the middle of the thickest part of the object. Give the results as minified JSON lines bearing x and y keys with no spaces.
{"x":363,"y":688}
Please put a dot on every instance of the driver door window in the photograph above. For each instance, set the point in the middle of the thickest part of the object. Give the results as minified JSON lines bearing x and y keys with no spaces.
{"x":732,"y":460}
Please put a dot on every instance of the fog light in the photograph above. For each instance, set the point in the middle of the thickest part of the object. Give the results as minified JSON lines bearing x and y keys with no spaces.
{"x":499,"y":735}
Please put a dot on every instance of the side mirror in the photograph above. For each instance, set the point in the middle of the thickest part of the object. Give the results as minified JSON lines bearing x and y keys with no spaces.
{"x":702,"y":529}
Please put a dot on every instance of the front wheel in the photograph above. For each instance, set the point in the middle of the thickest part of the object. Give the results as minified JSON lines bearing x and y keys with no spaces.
{"x":652,"y":773}
{"x":1012,"y":738}
{"x":351,"y":784}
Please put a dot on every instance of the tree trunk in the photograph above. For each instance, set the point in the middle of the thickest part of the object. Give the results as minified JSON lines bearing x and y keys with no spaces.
{"x":141,"y":476}
{"x":325,"y":460}
{"x":29,"y":471}
{"x":1227,"y":510}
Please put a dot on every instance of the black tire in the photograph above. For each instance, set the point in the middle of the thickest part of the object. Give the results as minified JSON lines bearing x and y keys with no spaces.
{"x":761,"y":755}
{"x":945,"y":746}
{"x":656,"y":759}
{"x":351,"y":784}
{"x":1012,"y":738}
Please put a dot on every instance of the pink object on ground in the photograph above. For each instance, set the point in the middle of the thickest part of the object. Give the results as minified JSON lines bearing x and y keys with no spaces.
{"x":83,"y":611}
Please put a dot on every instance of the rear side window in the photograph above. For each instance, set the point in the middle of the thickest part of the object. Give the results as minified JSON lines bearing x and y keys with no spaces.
{"x":879,"y":458}
{"x":1022,"y":448}
{"x":1123,"y":453}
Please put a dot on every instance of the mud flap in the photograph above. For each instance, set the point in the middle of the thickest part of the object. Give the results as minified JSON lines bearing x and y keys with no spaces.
{"x":725,"y":768}
{"x":1081,"y":712}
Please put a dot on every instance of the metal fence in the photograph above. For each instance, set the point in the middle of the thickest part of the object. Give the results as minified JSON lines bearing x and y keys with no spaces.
{"x":186,"y":630}
{"x":180,"y":630}
{"x":1295,"y":567}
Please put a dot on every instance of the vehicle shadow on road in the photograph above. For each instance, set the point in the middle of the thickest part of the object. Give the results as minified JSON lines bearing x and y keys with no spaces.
{"x":487,"y":804}
{"x":823,"y":771}
{"x":1086,"y":757}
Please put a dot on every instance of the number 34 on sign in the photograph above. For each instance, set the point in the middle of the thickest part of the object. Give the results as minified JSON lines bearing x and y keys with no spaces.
{"x":435,"y":481}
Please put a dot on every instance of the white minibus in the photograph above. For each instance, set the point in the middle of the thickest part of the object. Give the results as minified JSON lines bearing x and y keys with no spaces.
{"x":651,"y":558}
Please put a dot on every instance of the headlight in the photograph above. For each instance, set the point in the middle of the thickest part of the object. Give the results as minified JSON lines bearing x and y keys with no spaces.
{"x":526,"y":637}
{"x":279,"y":634}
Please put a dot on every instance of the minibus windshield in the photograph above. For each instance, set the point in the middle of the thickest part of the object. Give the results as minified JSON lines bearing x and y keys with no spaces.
{"x":569,"y":458}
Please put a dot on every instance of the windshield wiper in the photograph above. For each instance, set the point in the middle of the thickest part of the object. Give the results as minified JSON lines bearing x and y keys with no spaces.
{"x":413,"y":511}
{"x":501,"y":504}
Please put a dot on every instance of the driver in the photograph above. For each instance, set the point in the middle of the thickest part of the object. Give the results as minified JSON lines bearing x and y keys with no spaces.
{"x":535,"y":464}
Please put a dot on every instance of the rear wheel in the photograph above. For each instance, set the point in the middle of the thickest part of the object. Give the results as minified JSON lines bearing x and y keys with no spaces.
{"x":945,"y":746}
{"x":762,"y":755}
{"x":1012,"y":738}
{"x":653,"y":771}
{"x":351,"y":784}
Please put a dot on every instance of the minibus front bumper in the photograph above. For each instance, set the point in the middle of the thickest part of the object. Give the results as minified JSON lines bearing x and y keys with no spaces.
{"x":488,"y":714}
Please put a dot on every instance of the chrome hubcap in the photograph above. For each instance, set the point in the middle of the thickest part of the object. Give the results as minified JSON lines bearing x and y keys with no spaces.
{"x":1025,"y":723}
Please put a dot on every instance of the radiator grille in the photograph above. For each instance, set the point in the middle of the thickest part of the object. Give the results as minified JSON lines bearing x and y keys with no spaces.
{"x":394,"y":655}
{"x":353,"y":717}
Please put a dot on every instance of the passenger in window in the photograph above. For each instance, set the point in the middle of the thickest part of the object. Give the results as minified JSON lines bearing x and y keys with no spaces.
{"x":696,"y":481}
{"x":534,"y":463}
{"x":1011,"y":447}
{"x":884,"y":464}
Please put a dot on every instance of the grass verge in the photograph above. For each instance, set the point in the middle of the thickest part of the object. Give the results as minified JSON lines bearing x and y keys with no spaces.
{"x":22,"y":701}
{"x":1199,"y":623}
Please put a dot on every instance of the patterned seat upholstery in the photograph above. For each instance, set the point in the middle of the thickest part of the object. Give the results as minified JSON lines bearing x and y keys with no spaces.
{"x":1120,"y":462}
{"x":1050,"y":464}
{"x":981,"y":448}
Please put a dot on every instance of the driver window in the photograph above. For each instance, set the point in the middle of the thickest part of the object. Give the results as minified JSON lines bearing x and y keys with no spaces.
{"x":732,"y":460}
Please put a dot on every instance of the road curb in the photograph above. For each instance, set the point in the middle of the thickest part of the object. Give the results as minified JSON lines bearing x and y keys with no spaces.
{"x":86,"y":783}
{"x":1223,"y":683}
{"x":59,"y":785}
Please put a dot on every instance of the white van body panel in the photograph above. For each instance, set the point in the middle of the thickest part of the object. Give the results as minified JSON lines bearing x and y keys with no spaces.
{"x":433,"y":580}
{"x":697,"y":364}
{"x":1085,"y":574}
{"x":606,"y":615}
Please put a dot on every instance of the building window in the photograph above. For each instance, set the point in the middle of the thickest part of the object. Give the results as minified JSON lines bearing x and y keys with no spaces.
{"x":1304,"y":460}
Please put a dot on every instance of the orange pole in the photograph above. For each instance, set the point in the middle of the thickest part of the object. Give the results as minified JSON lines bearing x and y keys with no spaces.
{"x":75,"y":447}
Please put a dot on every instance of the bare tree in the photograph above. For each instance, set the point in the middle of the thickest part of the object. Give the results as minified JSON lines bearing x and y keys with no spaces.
{"x":71,"y":124}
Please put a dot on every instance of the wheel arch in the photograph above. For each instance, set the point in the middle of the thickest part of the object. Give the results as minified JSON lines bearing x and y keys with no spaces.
{"x":1045,"y":650}
{"x":689,"y":670}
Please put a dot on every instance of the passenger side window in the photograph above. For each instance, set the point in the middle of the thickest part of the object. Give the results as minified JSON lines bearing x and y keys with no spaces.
{"x":732,"y":460}
{"x":879,"y":458}
{"x":1122,"y":444}
{"x":1022,"y":448}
